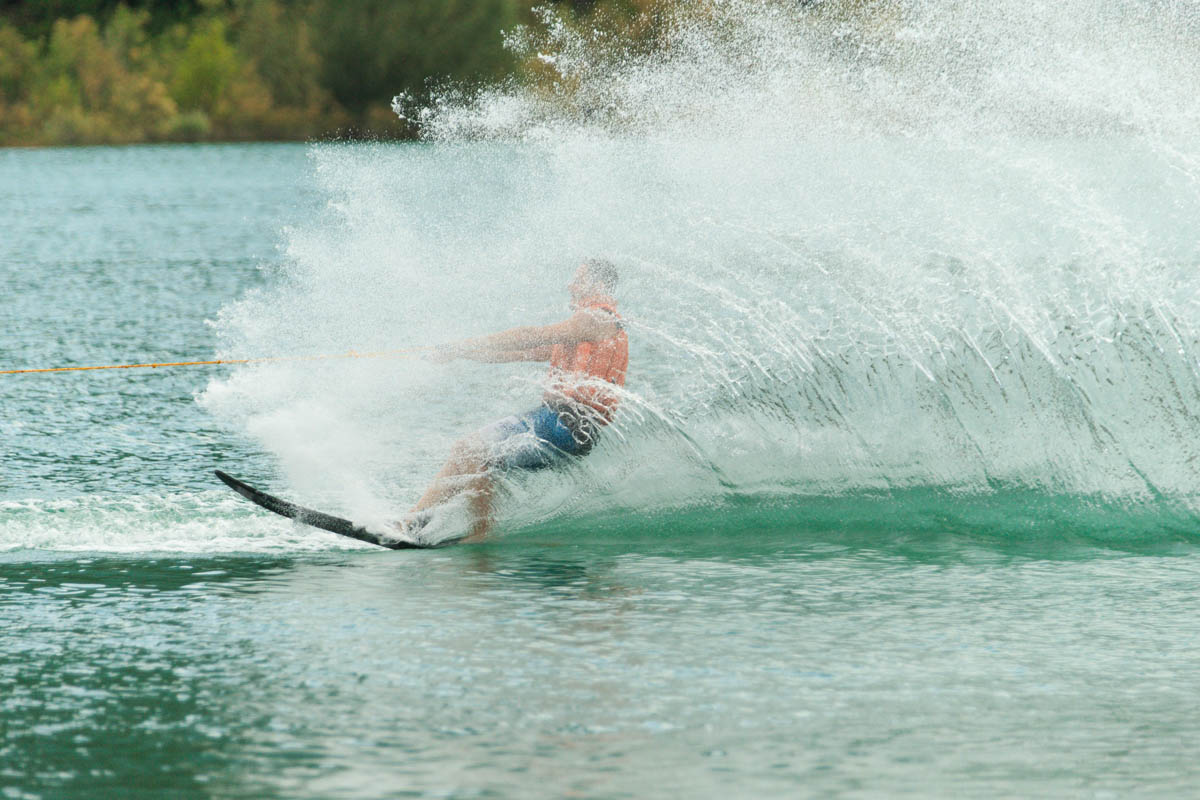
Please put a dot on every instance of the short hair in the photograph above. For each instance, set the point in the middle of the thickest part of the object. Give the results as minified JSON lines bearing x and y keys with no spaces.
{"x":603,"y":272}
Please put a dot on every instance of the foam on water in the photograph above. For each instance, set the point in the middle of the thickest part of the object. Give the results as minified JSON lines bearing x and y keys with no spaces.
{"x":942,"y":247}
{"x":206,"y":522}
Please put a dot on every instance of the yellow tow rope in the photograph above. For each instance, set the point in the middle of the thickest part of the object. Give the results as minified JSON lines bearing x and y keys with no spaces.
{"x":405,"y":353}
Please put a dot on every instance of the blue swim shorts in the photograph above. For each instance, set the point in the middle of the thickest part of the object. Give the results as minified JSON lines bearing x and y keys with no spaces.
{"x":534,"y":440}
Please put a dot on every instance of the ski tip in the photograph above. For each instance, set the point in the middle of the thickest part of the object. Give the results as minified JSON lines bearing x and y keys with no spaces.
{"x":245,"y":490}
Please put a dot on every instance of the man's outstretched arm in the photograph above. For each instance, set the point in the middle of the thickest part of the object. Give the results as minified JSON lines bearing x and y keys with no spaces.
{"x":504,"y":356}
{"x":584,"y":326}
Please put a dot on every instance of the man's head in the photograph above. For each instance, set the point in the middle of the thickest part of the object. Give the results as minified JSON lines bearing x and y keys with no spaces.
{"x":595,"y":277}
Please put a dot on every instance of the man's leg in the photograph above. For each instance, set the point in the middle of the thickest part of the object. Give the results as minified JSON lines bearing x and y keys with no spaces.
{"x":464,"y":469}
{"x":471,"y":459}
{"x":481,"y":507}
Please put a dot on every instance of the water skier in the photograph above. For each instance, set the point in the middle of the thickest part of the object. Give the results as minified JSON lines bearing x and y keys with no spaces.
{"x":588,"y":354}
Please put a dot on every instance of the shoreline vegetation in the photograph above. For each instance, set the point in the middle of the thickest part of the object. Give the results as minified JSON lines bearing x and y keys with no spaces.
{"x":100,"y":72}
{"x":103,"y":72}
{"x":94,"y":72}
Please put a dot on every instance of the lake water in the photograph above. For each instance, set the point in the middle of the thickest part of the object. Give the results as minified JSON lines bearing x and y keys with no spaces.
{"x":161,"y":636}
{"x":901,"y":498}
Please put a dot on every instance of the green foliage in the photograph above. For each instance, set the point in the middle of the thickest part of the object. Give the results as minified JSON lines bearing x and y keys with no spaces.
{"x":82,"y":91}
{"x":36,"y":18}
{"x":374,"y":49}
{"x":126,"y":35}
{"x":18,"y":63}
{"x":112,"y":71}
{"x":279,"y":44}
{"x":206,"y":70}
{"x":190,"y":126}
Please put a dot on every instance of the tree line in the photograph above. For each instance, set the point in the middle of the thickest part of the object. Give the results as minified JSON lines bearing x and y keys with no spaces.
{"x":111,"y":72}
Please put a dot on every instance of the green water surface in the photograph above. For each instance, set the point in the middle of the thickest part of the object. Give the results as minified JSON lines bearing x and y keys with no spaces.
{"x":160,"y":638}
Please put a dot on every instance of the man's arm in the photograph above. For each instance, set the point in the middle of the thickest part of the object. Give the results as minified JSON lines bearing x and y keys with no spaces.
{"x":503,"y":356}
{"x":584,"y":326}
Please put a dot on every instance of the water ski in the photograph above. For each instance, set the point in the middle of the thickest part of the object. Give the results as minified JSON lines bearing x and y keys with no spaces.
{"x":326,"y":522}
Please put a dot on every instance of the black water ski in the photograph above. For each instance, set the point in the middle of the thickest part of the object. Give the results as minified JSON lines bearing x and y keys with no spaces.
{"x":326,"y":522}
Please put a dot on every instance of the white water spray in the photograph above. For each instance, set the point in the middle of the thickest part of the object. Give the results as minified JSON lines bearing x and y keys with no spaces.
{"x":938,"y":245}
